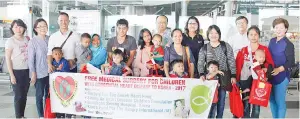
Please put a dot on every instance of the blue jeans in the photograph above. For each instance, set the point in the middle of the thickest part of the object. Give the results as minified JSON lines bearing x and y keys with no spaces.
{"x":212,"y":110}
{"x":221,"y":103}
{"x":277,"y":99}
{"x":42,"y":90}
{"x":254,"y":112}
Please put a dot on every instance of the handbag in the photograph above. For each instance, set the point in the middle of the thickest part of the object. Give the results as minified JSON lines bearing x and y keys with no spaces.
{"x":260,"y":92}
{"x":235,"y":102}
{"x":47,"y":111}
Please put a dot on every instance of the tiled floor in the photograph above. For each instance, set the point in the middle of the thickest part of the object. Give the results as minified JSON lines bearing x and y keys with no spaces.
{"x":7,"y":108}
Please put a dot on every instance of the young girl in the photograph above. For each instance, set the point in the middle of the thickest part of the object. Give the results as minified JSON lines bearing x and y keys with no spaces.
{"x":118,"y":67}
{"x":178,"y":69}
{"x":157,"y":54}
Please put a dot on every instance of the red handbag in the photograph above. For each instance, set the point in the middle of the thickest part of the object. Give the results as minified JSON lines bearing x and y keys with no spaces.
{"x":84,"y":70}
{"x":215,"y":100}
{"x":47,"y":111}
{"x":260,"y":91}
{"x":235,"y":101}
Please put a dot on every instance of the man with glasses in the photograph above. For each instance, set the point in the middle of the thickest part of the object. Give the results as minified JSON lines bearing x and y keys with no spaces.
{"x":122,"y":41}
{"x":239,"y":40}
{"x":161,"y":28}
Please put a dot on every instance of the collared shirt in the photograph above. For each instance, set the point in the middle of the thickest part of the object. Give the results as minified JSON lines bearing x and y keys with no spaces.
{"x":277,"y":49}
{"x":37,"y":56}
{"x":167,"y":38}
{"x":57,"y":39}
{"x":195,"y":44}
{"x":64,"y":63}
{"x":237,"y":42}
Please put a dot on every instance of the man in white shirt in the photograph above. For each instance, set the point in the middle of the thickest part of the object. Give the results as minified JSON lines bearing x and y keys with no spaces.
{"x":58,"y":38}
{"x":239,"y":40}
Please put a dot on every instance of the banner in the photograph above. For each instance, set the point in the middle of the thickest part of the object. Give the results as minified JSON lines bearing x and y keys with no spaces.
{"x":130,"y":97}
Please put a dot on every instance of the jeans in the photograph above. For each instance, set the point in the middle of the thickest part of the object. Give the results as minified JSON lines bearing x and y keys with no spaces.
{"x":42,"y":91}
{"x":221,"y":102}
{"x":277,"y":99}
{"x":20,"y":90}
{"x":254,"y":112}
{"x":212,"y":110}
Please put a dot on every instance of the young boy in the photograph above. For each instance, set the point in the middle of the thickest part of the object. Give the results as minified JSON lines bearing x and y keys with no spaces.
{"x":213,"y":74}
{"x":60,"y":63}
{"x":178,"y":69}
{"x":118,"y":66}
{"x":83,"y":52}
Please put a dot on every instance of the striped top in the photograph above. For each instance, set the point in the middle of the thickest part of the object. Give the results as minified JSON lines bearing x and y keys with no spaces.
{"x":37,"y":56}
{"x":220,"y":58}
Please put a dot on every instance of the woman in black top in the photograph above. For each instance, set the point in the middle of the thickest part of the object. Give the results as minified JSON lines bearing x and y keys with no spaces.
{"x":193,"y":39}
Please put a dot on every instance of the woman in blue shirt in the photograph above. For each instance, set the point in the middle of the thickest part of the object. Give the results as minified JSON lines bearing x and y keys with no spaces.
{"x":99,"y":53}
{"x":283,"y":54}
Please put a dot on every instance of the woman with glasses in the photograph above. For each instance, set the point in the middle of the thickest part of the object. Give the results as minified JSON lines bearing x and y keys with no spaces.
{"x":37,"y":62}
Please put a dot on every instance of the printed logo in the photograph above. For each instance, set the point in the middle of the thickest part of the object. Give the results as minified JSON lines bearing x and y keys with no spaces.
{"x":260,"y":92}
{"x":65,"y":89}
{"x":200,"y":98}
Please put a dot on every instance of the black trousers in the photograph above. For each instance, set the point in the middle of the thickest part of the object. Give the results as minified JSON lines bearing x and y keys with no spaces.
{"x":20,"y":90}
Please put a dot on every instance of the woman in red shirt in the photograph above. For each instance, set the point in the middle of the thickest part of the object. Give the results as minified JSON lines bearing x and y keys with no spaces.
{"x":244,"y":61}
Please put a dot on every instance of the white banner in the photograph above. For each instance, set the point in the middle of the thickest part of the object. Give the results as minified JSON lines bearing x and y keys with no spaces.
{"x":130,"y":97}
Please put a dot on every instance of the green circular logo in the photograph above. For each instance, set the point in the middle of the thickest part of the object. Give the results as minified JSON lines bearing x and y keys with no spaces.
{"x":200,"y":98}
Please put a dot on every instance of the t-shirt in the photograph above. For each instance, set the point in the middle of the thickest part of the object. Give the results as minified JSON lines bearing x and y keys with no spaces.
{"x":128,"y":45}
{"x":237,"y":42}
{"x":158,"y":51}
{"x":19,"y":54}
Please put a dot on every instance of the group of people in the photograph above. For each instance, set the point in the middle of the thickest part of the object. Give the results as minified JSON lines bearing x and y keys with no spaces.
{"x":176,"y":53}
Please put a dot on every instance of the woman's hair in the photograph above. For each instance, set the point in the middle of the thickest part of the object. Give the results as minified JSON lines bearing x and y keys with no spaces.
{"x":86,"y":35}
{"x":141,"y":41}
{"x":210,"y":28}
{"x":279,"y":21}
{"x":19,"y":22}
{"x":187,"y":23}
{"x":176,"y":29}
{"x":36,"y":23}
{"x":255,"y":28}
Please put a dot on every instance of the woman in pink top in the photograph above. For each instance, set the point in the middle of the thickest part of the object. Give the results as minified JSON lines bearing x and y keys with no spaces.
{"x":141,"y":68}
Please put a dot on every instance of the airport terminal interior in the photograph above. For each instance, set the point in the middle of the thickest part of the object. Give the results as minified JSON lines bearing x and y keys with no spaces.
{"x":100,"y":17}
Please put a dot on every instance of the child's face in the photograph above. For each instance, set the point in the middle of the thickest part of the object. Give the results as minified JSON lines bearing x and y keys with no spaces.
{"x":260,"y":57}
{"x":178,"y":68}
{"x":57,"y":55}
{"x":156,"y":41}
{"x":212,"y":68}
{"x":85,"y":42}
{"x":117,"y":59}
{"x":178,"y":104}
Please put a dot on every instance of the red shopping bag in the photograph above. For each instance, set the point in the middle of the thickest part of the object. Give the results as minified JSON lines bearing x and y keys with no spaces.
{"x":235,"y":101}
{"x":84,"y":69}
{"x":47,"y":112}
{"x":260,"y":93}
